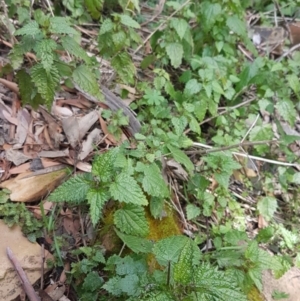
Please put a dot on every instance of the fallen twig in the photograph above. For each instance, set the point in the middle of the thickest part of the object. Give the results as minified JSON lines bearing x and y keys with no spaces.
{"x":32,"y":295}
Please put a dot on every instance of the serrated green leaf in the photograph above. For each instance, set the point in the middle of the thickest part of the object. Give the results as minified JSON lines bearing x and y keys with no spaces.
{"x":296,"y":178}
{"x":252,"y":251}
{"x":119,"y":39}
{"x":217,"y":87}
{"x":31,"y":28}
{"x":46,"y":81}
{"x":181,"y":157}
{"x":200,"y":109}
{"x":106,"y":27}
{"x":113,"y":286}
{"x":180,"y":26}
{"x":124,"y":66}
{"x":212,"y":284}
{"x":294,"y":83}
{"x":192,"y":211}
{"x":135,"y":243}
{"x":92,"y":281}
{"x":131,"y":220}
{"x":192,"y":87}
{"x":70,"y":45}
{"x":25,"y":86}
{"x":103,"y":165}
{"x":61,"y":25}
{"x":175,"y":53}
{"x":86,"y":80}
{"x":94,"y":7}
{"x":236,"y":25}
{"x":73,"y":190}
{"x":194,"y":125}
{"x":168,"y":249}
{"x":126,"y":189}
{"x":286,"y":109}
{"x":153,"y":182}
{"x":267,"y":207}
{"x":96,"y":199}
{"x":255,"y":273}
{"x":45,"y":51}
{"x":183,"y":268}
{"x":128,"y":21}
{"x":179,"y":124}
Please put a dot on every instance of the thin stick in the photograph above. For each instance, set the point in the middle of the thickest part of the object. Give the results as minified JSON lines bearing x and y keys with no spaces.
{"x":223,"y":148}
{"x":161,"y":25}
{"x":23,"y":277}
{"x":253,"y":157}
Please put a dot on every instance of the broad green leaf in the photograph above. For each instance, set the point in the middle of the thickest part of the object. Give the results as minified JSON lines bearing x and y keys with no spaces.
{"x":255,"y":273}
{"x":94,"y":7}
{"x":157,"y":207}
{"x":106,"y":26}
{"x":294,"y":83}
{"x":181,"y":157}
{"x":124,"y":66}
{"x":92,"y":282}
{"x":217,"y":87}
{"x":73,"y":190}
{"x":296,"y":178}
{"x":61,"y":25}
{"x":74,"y":48}
{"x":175,"y":53}
{"x":153,"y":182}
{"x":25,"y":86}
{"x":201,"y":109}
{"x":131,"y":220}
{"x":192,"y":87}
{"x":168,"y":249}
{"x":130,"y":284}
{"x":237,"y":25}
{"x":96,"y":199}
{"x":87,"y":81}
{"x":183,"y":269}
{"x":252,"y":251}
{"x":267,"y":207}
{"x":210,"y":12}
{"x":46,"y":81}
{"x":126,"y":189}
{"x":179,"y":124}
{"x":45,"y":52}
{"x":180,"y":25}
{"x":128,"y":21}
{"x":287,"y":110}
{"x":31,"y":28}
{"x":192,"y":211}
{"x":135,"y":243}
{"x":103,"y":165}
{"x":212,"y":284}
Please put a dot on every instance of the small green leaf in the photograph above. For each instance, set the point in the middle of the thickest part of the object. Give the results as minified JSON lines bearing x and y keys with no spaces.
{"x":26,"y":86}
{"x":287,"y":110}
{"x":128,"y":21}
{"x":96,"y":199}
{"x":126,"y":189}
{"x":175,"y":53}
{"x":45,"y":52}
{"x":192,"y":211}
{"x":192,"y":87}
{"x":181,"y":157}
{"x":180,"y":25}
{"x":131,"y":220}
{"x":124,"y":66}
{"x":267,"y":207}
{"x":294,"y":83}
{"x":61,"y":25}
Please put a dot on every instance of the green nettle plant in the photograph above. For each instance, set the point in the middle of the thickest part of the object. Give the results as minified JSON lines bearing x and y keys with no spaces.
{"x":200,"y":92}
